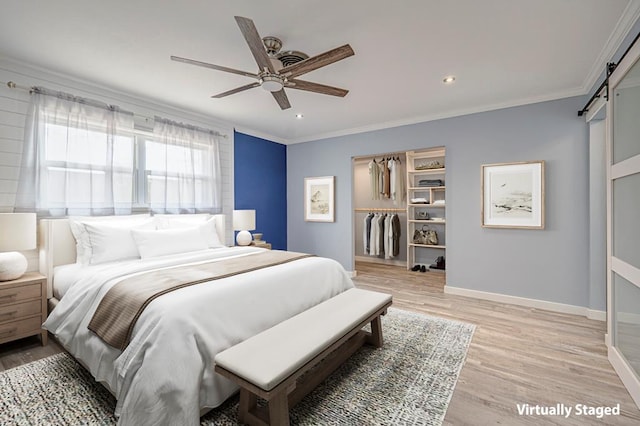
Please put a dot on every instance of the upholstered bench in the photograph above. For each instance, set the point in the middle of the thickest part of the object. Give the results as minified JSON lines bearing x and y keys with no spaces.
{"x":269,"y":364}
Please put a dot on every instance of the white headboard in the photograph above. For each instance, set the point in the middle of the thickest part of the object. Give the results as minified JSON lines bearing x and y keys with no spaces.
{"x":58,"y":247}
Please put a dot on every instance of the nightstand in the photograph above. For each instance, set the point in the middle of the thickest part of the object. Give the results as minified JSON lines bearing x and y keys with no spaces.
{"x":23,"y":307}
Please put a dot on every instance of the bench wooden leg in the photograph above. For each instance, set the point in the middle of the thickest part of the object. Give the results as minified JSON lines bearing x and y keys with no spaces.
{"x":376,"y":332}
{"x":248,"y":402}
{"x":279,"y":410}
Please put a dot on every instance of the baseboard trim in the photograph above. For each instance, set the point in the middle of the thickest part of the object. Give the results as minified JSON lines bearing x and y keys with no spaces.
{"x":531,"y":303}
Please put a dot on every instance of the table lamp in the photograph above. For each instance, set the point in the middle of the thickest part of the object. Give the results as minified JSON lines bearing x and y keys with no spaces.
{"x":244,"y":221}
{"x":17,"y":232}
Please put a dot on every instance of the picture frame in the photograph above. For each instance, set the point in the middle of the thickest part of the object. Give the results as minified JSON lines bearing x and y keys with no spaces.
{"x":513,"y":195}
{"x":319,"y":199}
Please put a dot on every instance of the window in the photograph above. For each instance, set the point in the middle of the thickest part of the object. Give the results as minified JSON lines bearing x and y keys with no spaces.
{"x":77,"y":162}
{"x":84,"y":158}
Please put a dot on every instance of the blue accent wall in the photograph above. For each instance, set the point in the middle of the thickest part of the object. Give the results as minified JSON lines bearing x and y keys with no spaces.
{"x":260,"y":183}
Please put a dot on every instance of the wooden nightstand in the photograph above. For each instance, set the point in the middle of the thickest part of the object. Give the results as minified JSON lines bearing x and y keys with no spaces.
{"x":23,"y":307}
{"x":260,"y":243}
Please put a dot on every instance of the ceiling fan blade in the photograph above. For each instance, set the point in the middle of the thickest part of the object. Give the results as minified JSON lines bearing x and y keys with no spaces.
{"x":316,"y":88}
{"x":236,"y":90}
{"x":254,"y":41}
{"x":282,"y":99}
{"x":318,"y":61}
{"x":214,"y":67}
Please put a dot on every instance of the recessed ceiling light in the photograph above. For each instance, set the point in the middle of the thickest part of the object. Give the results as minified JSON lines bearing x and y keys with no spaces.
{"x":449,"y":79}
{"x":299,"y":116}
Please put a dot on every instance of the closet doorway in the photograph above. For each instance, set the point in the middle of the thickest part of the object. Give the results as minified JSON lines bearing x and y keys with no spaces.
{"x":379,"y":197}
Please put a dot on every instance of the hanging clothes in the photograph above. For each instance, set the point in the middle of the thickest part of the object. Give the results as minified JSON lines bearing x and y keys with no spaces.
{"x":395,"y":235}
{"x":386,"y":189}
{"x":366,"y":237}
{"x":374,"y":248}
{"x":388,"y":242}
{"x":397,"y":181}
{"x":374,"y":179}
{"x":381,"y":234}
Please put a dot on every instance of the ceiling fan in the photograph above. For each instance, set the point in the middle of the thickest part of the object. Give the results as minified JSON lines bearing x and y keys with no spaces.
{"x":278,"y":70}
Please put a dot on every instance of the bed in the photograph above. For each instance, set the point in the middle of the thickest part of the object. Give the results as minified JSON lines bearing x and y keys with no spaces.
{"x":165,"y":374}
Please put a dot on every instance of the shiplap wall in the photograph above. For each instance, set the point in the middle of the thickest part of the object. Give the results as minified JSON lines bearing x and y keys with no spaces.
{"x":13,"y":110}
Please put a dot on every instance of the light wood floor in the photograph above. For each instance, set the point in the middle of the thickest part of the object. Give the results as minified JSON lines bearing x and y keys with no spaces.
{"x":518,"y":355}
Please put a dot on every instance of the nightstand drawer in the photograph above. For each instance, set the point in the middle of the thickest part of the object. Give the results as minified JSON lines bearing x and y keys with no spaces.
{"x":12,"y":330}
{"x":18,"y":294}
{"x":20,"y":310}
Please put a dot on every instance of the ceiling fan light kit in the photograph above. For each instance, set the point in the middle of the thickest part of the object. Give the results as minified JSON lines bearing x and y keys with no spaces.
{"x":272,"y":83}
{"x":278,"y":70}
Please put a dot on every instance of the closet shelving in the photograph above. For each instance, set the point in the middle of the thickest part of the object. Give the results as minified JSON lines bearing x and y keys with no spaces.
{"x":434,"y":204}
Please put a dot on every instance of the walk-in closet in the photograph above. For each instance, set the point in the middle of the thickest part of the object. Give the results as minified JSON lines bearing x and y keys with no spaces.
{"x":380,"y":208}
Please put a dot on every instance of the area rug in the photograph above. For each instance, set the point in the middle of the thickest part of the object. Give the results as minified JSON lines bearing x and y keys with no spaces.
{"x":409,"y":381}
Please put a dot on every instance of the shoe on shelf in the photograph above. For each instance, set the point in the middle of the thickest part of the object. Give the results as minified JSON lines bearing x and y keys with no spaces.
{"x":416,"y":268}
{"x":440,"y":263}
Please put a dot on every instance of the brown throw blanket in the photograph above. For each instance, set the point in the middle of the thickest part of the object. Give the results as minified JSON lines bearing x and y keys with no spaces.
{"x":123,"y":304}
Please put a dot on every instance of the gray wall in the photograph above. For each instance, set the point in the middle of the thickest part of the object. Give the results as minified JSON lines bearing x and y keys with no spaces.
{"x":551,"y":265}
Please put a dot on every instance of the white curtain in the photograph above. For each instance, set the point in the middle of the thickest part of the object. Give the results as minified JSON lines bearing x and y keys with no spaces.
{"x":182,"y":168}
{"x":78,"y":157}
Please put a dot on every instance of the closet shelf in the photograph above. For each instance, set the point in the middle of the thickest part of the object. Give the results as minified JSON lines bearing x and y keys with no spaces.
{"x":427,"y":171}
{"x":427,"y":246}
{"x":438,"y":222}
{"x":426,"y":188}
{"x":418,"y":253}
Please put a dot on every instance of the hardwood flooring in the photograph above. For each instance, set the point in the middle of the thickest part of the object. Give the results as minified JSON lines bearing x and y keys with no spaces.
{"x":518,"y":355}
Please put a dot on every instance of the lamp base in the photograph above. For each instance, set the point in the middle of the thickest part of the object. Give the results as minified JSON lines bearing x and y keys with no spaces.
{"x":13,"y":265}
{"x":243,"y":238}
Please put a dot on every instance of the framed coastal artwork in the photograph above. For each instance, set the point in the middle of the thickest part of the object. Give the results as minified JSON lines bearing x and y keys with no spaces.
{"x":319,"y":199}
{"x":513,"y":195}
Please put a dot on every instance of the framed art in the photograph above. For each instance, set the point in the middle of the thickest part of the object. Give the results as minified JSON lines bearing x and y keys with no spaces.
{"x":319,"y":199}
{"x":513,"y":195}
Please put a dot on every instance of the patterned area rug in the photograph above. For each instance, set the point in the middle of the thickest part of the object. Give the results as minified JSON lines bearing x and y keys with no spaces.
{"x":408,"y":381}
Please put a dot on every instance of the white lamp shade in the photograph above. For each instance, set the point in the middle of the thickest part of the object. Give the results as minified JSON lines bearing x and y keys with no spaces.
{"x":17,"y":231}
{"x":244,"y":220}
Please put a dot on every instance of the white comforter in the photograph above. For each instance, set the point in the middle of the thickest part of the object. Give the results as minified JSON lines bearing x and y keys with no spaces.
{"x":165,"y":375}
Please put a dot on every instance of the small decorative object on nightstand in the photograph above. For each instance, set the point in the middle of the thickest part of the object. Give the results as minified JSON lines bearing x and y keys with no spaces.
{"x":17,"y":232}
{"x":260,"y":243}
{"x":244,"y":221}
{"x":23,"y":307}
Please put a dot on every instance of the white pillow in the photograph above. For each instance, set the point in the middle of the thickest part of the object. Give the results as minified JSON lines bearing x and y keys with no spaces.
{"x":208,"y":230}
{"x":83,"y":245}
{"x":165,"y":221}
{"x":168,"y":241}
{"x":113,"y":241}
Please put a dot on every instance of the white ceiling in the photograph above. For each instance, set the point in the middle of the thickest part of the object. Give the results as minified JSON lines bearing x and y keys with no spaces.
{"x":502,"y":52}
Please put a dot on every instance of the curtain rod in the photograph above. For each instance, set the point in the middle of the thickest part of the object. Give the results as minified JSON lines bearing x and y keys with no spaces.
{"x":30,"y":89}
{"x":611,"y":66}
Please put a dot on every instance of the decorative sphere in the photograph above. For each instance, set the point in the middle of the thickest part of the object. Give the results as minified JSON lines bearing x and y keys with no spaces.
{"x":12,"y":265}
{"x":243,"y":238}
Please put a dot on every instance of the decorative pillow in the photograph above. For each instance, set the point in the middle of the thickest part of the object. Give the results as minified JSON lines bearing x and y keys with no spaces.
{"x":165,"y":221}
{"x":83,"y":245}
{"x":168,"y":241}
{"x":207,"y":229}
{"x":113,"y":241}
